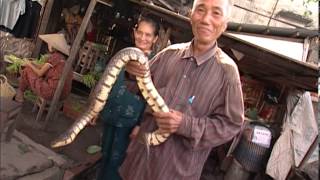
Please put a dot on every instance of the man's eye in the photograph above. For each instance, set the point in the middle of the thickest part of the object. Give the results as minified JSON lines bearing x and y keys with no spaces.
{"x":200,"y":9}
{"x":216,"y":13}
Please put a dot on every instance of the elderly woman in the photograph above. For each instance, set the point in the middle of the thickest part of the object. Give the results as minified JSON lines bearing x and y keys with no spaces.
{"x":123,"y":109}
{"x":43,"y":79}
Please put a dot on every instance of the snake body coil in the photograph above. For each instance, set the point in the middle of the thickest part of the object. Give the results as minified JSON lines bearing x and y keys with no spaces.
{"x":103,"y":89}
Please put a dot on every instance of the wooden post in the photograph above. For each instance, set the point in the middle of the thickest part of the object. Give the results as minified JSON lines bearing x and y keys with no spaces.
{"x":166,"y":38}
{"x":306,"y":47}
{"x":68,"y":66}
{"x":43,"y":26}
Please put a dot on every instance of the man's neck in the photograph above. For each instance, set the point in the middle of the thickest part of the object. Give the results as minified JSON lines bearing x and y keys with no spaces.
{"x":201,"y":48}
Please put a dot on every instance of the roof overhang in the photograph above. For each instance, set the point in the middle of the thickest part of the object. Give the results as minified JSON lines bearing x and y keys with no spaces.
{"x":266,"y":64}
{"x":259,"y":61}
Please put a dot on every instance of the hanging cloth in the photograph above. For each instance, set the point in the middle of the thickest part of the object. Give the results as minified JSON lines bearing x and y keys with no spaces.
{"x":27,"y":23}
{"x":41,"y":2}
{"x":10,"y":10}
{"x":299,"y":131}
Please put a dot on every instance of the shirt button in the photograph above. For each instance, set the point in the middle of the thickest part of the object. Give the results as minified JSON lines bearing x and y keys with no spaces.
{"x":184,"y":76}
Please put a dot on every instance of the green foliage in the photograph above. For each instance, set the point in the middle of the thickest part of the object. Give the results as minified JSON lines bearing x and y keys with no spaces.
{"x":90,"y":79}
{"x":16,"y":62}
{"x":15,"y":65}
{"x":100,"y":47}
{"x":14,"y":68}
{"x":76,"y":106}
{"x":42,"y":59}
{"x":30,"y":96}
{"x":252,"y":113}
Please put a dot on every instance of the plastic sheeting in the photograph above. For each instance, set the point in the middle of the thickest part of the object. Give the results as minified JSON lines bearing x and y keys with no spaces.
{"x":299,"y":132}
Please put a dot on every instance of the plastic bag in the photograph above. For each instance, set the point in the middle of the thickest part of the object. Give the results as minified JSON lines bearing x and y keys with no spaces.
{"x":6,"y":90}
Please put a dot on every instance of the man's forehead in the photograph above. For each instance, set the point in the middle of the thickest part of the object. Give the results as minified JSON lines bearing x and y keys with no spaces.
{"x":219,"y":4}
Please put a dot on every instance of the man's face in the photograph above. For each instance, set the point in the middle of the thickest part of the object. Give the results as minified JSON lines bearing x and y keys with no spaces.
{"x":208,"y":20}
{"x":144,"y":36}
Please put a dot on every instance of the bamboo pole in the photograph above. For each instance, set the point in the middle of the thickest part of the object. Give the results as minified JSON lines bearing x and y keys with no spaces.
{"x":43,"y":26}
{"x":68,"y":66}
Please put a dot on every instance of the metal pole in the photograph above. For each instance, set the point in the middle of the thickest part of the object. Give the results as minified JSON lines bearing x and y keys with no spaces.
{"x":274,"y":8}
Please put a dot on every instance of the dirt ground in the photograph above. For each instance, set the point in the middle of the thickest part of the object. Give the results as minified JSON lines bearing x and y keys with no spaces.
{"x":77,"y":151}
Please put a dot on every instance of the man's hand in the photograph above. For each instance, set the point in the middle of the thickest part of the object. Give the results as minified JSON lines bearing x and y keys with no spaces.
{"x":136,"y":69}
{"x":168,"y":122}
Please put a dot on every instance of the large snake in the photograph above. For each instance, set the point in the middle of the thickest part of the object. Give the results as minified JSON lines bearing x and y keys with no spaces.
{"x":102,"y":90}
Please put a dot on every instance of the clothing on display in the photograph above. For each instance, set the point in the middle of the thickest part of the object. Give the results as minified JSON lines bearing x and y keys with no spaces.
{"x":41,"y":2}
{"x":10,"y":10}
{"x":26,"y":25}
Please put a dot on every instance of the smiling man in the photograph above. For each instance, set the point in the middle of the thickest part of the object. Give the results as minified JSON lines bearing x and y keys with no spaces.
{"x":201,"y":86}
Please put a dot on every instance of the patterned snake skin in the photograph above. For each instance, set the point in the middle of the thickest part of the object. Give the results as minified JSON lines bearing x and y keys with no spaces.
{"x":103,"y":89}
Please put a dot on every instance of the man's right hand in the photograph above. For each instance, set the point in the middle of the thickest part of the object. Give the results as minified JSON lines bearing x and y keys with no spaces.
{"x":136,"y":69}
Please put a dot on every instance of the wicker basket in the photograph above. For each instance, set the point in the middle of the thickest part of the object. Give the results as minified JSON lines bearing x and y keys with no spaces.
{"x":6,"y":90}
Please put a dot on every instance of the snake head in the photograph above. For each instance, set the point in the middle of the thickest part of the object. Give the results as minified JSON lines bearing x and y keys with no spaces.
{"x":62,"y":140}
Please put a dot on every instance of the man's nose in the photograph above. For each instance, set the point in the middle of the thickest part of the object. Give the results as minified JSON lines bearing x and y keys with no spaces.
{"x":206,"y":18}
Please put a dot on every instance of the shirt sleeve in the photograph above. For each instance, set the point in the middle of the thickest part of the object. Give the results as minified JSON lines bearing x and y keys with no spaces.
{"x":223,"y":123}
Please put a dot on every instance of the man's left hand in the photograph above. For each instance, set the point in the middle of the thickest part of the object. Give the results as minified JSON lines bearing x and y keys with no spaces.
{"x":168,"y":122}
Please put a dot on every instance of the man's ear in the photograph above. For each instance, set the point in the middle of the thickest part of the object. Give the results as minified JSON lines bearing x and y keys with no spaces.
{"x":189,"y":15}
{"x":225,"y":25}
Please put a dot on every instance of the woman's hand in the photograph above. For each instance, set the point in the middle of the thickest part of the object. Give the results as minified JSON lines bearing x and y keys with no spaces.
{"x":134,"y":132}
{"x":93,"y":121}
{"x":26,"y":63}
{"x":136,"y":69}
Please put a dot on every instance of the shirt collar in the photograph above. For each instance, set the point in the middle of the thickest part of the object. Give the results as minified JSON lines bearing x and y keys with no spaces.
{"x":204,"y":57}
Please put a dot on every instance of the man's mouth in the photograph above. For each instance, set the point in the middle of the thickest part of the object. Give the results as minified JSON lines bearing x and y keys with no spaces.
{"x":204,"y":30}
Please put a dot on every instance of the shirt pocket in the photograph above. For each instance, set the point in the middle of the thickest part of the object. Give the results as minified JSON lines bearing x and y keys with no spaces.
{"x":183,"y":104}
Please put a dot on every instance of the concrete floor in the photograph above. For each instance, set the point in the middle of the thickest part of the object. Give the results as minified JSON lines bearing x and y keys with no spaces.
{"x":76,"y":151}
{"x":28,"y":155}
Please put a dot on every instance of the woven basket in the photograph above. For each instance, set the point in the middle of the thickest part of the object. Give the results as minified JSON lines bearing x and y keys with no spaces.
{"x":6,"y":90}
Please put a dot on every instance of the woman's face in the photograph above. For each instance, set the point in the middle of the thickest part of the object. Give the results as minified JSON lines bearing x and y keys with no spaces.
{"x":144,"y":36}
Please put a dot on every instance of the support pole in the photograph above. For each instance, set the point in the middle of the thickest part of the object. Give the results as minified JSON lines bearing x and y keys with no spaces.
{"x":43,"y":26}
{"x":68,"y":66}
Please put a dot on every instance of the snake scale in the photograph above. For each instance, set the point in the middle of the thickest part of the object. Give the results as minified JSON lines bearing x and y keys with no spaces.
{"x":102,"y":90}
